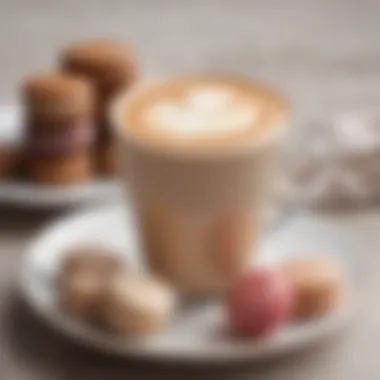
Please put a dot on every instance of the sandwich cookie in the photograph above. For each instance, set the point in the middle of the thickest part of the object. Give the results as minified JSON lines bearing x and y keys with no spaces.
{"x":111,"y":66}
{"x":59,"y":128}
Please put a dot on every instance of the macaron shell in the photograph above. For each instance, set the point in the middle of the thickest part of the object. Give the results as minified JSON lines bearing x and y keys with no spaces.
{"x":317,"y":284}
{"x":110,"y":64}
{"x":65,"y":170}
{"x":259,"y":303}
{"x":106,"y":159}
{"x":56,"y":93}
{"x":9,"y":161}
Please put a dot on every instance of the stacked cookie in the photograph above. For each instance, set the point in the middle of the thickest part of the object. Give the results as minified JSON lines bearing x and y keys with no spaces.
{"x":111,"y":67}
{"x":9,"y":161}
{"x":59,"y":128}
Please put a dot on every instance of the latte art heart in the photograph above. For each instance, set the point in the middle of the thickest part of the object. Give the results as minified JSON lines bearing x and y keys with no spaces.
{"x":203,"y":111}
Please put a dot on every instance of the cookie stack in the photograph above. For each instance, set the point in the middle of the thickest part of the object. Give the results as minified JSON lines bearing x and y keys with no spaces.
{"x":111,"y":67}
{"x":59,"y":128}
{"x":9,"y":161}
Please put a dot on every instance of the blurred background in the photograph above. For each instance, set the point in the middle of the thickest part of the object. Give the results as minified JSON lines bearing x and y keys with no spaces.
{"x":324,"y":54}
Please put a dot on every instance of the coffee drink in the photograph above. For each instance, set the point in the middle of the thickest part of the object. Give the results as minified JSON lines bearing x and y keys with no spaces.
{"x":198,"y":155}
{"x":202,"y":113}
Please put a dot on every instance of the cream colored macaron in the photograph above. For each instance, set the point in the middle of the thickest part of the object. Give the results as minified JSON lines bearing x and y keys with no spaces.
{"x":89,"y":259}
{"x":317,"y":284}
{"x":81,"y":295}
{"x":83,"y":280}
{"x":138,"y":304}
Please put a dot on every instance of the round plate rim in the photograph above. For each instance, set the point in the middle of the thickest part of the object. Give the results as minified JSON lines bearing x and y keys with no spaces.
{"x":241,"y":353}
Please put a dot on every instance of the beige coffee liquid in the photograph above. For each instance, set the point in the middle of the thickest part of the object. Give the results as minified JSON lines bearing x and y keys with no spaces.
{"x":201,"y":111}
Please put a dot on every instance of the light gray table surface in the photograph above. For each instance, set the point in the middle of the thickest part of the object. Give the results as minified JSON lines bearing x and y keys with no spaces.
{"x":324,"y":55}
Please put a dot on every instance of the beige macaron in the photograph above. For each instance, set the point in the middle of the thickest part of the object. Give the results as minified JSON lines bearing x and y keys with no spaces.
{"x":82,"y":293}
{"x":317,"y":284}
{"x":138,"y":304}
{"x":84,"y":275}
{"x":89,"y":259}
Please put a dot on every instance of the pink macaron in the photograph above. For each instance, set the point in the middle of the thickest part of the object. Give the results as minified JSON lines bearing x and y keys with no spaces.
{"x":259,"y":302}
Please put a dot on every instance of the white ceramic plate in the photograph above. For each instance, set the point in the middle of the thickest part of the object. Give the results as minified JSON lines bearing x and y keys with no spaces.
{"x":33,"y":195}
{"x":198,"y":334}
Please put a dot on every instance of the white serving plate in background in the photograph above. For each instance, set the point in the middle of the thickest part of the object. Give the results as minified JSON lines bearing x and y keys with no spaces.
{"x":28,"y":194}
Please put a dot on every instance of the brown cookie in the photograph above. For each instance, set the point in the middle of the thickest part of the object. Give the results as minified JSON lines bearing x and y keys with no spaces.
{"x":61,"y":170}
{"x":111,"y":65}
{"x":55,"y":95}
{"x":105,"y":134}
{"x":9,"y":161}
{"x":59,"y":113}
{"x":106,"y":159}
{"x":103,"y":122}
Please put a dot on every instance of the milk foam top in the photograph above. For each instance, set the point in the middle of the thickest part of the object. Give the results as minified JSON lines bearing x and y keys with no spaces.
{"x":202,"y":112}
